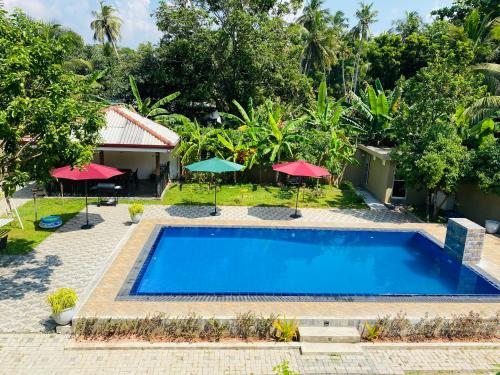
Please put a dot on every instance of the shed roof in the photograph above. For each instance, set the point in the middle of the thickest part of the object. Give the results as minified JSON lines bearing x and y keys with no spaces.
{"x":126,"y":128}
{"x":383,"y":153}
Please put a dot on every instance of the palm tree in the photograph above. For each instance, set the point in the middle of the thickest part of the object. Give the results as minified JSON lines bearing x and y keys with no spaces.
{"x":155,"y":111}
{"x":488,"y":106}
{"x":320,"y":38}
{"x":366,"y":16}
{"x":412,"y":23}
{"x":106,"y":25}
{"x":479,"y":30}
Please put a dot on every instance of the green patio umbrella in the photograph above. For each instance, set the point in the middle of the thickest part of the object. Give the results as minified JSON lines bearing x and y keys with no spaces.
{"x":215,"y":165}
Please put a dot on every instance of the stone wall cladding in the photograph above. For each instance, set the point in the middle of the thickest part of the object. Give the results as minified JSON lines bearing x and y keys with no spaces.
{"x":464,"y":240}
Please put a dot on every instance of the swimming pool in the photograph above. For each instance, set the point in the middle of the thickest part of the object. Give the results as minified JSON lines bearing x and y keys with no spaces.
{"x":228,"y":261}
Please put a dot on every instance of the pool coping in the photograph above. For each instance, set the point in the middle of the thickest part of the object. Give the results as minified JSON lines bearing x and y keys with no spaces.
{"x":146,"y":252}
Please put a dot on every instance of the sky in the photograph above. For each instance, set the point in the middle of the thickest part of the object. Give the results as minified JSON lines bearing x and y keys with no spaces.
{"x":139,"y":26}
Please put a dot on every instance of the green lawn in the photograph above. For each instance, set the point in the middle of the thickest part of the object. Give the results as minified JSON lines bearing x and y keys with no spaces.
{"x":256,"y":195}
{"x":22,"y":241}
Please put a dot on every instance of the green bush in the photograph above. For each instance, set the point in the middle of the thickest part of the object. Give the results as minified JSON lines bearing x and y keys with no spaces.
{"x":469,"y":326}
{"x":286,"y":330}
{"x":62,"y":299}
{"x":215,"y":329}
{"x":135,"y":209}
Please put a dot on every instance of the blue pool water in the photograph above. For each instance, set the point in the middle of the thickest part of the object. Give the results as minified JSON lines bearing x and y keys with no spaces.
{"x":263,"y":261}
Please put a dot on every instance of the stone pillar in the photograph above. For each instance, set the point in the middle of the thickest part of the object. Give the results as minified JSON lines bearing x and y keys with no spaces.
{"x":464,"y":240}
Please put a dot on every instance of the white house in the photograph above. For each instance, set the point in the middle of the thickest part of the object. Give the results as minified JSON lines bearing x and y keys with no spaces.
{"x":138,"y":145}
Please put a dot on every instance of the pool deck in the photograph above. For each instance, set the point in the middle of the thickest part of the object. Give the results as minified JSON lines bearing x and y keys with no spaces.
{"x":102,"y":301}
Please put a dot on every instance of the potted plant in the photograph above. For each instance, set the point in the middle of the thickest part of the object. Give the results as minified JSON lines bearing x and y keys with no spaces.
{"x":136,"y":210}
{"x":63,"y":302}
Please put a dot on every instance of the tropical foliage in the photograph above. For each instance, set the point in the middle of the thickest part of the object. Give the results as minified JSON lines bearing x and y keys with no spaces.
{"x":106,"y":25}
{"x":155,"y":111}
{"x":48,"y":116}
{"x":289,"y":78}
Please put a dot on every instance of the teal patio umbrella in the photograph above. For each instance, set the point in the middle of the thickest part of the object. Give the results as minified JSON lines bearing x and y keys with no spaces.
{"x":215,"y":165}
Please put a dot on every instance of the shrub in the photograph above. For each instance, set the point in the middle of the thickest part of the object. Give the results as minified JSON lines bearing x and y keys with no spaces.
{"x":286,"y":330}
{"x":371,"y":332}
{"x":347,"y":186}
{"x":215,"y":329}
{"x":459,"y":327}
{"x":62,"y":299}
{"x":244,"y":325}
{"x":264,"y":327}
{"x":135,"y":209}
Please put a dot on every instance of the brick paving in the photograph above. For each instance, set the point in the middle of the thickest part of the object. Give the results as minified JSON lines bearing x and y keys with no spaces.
{"x":70,"y":257}
{"x":49,"y":354}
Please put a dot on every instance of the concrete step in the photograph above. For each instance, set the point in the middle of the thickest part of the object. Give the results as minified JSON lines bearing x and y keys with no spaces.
{"x":329,"y":334}
{"x":326,"y":348}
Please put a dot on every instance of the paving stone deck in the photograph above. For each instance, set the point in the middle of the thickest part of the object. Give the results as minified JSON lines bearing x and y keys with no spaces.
{"x":48,"y":354}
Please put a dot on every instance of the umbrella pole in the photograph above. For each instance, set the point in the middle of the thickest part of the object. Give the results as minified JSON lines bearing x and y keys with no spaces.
{"x":215,"y":213}
{"x":86,"y":226}
{"x":296,"y":214}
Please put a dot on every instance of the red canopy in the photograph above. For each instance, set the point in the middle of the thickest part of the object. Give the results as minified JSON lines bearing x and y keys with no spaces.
{"x":301,"y":168}
{"x":88,"y":172}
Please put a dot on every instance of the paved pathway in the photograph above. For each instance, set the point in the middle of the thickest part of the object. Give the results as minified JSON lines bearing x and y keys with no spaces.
{"x":46,"y":354}
{"x":70,"y":257}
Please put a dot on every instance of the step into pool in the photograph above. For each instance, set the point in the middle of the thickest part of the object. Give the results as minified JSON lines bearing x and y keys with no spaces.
{"x":230,"y":261}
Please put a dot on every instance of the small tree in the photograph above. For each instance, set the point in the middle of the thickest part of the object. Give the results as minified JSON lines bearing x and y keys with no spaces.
{"x":431,"y":152}
{"x":47,"y":115}
{"x":437,"y":163}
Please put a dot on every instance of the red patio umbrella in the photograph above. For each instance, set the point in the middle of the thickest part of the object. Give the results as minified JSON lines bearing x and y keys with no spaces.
{"x":300,"y":168}
{"x":88,"y":172}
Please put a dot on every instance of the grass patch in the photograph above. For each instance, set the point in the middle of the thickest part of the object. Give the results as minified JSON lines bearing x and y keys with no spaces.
{"x":22,"y":241}
{"x":257,"y":195}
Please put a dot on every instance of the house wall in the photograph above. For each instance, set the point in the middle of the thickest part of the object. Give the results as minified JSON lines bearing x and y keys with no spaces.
{"x":476,"y":205}
{"x":380,"y":179}
{"x":355,"y":172}
{"x":144,"y":162}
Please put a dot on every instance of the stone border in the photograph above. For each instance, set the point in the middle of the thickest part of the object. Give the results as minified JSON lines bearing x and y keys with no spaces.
{"x":147,"y":251}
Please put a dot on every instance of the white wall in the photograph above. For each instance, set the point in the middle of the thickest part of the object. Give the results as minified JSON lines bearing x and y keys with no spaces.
{"x":144,"y":162}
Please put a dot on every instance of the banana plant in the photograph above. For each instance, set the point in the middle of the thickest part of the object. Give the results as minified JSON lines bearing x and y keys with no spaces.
{"x":377,"y":110}
{"x":195,"y":141}
{"x":248,"y":118}
{"x":327,"y":114}
{"x":238,"y":150}
{"x":155,"y":111}
{"x":280,"y":134}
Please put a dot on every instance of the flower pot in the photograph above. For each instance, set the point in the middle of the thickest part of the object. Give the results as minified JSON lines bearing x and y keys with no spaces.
{"x":136,"y":218}
{"x":492,"y":226}
{"x":64,"y":317}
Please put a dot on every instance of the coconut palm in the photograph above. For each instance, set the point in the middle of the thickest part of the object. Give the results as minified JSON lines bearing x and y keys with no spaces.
{"x":488,"y":106}
{"x":106,"y":25}
{"x":155,"y":111}
{"x":412,"y":23}
{"x":366,"y":16}
{"x":479,"y":30}
{"x":320,"y":37}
